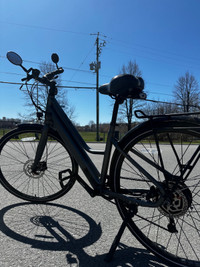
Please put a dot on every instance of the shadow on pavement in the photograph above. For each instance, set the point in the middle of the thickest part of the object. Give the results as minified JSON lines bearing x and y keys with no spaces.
{"x":60,"y":228}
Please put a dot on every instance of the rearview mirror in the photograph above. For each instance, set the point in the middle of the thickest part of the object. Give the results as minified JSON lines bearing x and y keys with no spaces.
{"x":14,"y":58}
{"x":55,"y":58}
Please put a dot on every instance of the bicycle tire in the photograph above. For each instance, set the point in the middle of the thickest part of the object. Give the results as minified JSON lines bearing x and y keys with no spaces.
{"x":17,"y":153}
{"x":170,"y":231}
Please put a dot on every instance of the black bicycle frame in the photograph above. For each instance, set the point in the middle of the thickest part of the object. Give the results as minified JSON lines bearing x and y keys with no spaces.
{"x":59,"y":121}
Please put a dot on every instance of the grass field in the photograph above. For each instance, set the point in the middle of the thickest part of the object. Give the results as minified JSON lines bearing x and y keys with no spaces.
{"x":87,"y":136}
{"x":91,"y":137}
{"x":3,"y":132}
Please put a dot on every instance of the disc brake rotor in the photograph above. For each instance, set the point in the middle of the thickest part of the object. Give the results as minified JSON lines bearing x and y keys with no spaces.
{"x":28,"y":170}
{"x":181,"y":200}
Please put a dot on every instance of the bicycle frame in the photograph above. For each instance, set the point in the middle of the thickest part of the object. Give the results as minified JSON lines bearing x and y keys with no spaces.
{"x":75,"y":143}
{"x":57,"y":119}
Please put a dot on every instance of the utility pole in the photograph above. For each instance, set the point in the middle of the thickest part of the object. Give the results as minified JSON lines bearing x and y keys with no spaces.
{"x":97,"y":86}
{"x":96,"y":66}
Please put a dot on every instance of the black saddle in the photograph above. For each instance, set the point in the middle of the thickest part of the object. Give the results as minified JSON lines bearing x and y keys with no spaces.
{"x":124,"y":85}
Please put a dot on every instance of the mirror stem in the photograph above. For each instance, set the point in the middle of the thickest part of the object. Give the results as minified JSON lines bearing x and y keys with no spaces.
{"x":27,"y":71}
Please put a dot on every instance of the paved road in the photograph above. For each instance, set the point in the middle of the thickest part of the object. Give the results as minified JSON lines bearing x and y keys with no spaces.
{"x":75,"y":230}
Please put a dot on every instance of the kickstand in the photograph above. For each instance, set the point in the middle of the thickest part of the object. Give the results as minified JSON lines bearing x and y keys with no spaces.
{"x":115,"y":243}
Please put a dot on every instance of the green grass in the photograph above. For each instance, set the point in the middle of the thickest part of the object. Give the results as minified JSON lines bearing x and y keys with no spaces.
{"x":4,"y":131}
{"x":87,"y":136}
{"x":91,"y":136}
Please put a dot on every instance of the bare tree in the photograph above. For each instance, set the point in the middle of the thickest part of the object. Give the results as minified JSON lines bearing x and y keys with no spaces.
{"x":159,"y":108}
{"x":127,"y":108}
{"x":40,"y":92}
{"x":186,"y":92}
{"x":92,"y":126}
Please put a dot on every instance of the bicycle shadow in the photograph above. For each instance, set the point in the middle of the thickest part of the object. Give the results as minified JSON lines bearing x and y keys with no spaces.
{"x":60,"y":228}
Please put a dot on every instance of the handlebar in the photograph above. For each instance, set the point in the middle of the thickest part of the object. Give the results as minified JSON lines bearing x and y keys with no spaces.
{"x":15,"y":59}
{"x":46,"y":79}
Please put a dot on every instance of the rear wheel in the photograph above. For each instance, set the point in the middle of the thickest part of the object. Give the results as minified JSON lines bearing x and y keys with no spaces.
{"x":55,"y":176}
{"x":172,"y":230}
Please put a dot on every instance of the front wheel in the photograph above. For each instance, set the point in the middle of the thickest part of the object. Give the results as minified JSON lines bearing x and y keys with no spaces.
{"x":57,"y":172}
{"x":170,"y":153}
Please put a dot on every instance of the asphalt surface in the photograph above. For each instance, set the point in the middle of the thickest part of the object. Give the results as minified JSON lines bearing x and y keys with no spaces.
{"x":75,"y":230}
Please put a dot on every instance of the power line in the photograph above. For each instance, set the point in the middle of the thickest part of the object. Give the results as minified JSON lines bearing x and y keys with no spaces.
{"x":170,"y":103}
{"x":67,"y":68}
{"x":160,"y":84}
{"x":176,"y":62}
{"x":71,"y":81}
{"x":155,"y":54}
{"x":155,"y":50}
{"x":10,"y":73}
{"x":83,"y":61}
{"x":86,"y":71}
{"x":18,"y":74}
{"x":45,"y":28}
{"x":78,"y":87}
{"x":61,"y":86}
{"x":156,"y":93}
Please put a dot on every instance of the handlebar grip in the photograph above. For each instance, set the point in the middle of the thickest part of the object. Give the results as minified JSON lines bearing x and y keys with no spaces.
{"x":58,"y":71}
{"x":52,"y":74}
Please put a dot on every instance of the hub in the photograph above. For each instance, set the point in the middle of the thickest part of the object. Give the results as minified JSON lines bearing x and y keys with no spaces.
{"x":180,"y":201}
{"x":39,"y":172}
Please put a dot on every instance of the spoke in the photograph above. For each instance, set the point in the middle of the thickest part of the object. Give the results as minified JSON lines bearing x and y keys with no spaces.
{"x":151,"y":222}
{"x":154,"y":163}
{"x":175,"y":153}
{"x":12,"y":157}
{"x":182,"y":232}
{"x":195,"y":194}
{"x":134,"y":179}
{"x":34,"y":145}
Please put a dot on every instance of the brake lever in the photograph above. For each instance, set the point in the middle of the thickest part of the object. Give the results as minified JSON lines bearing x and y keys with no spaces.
{"x":28,"y":78}
{"x":24,"y":79}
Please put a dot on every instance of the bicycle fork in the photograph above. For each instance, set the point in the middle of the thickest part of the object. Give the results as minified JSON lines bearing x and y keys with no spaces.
{"x":39,"y":165}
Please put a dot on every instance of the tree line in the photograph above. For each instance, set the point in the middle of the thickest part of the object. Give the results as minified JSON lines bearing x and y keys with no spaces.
{"x":186,"y":96}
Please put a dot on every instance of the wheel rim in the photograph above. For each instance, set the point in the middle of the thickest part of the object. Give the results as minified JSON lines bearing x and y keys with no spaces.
{"x":17,"y":156}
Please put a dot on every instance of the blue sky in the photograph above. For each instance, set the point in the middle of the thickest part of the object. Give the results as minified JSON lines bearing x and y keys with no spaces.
{"x":161,"y":35}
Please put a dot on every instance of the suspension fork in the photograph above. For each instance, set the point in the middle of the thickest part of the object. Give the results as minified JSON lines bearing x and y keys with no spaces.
{"x":40,"y":149}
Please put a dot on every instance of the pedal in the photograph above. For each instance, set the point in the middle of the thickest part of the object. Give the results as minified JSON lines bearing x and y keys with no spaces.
{"x":62,"y":179}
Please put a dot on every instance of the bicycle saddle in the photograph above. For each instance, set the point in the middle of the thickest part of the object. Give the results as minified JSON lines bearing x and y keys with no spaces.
{"x":124,"y":85}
